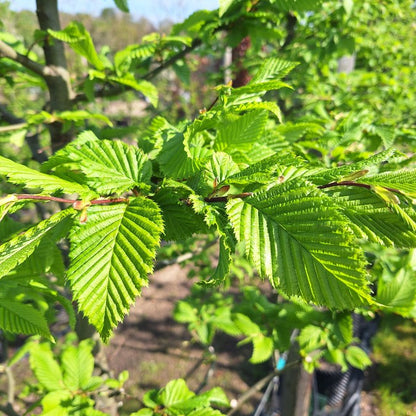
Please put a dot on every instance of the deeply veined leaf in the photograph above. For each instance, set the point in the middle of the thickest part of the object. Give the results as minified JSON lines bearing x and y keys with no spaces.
{"x":19,"y":318}
{"x":219,"y":168}
{"x":371,"y":164}
{"x":273,"y":68}
{"x":403,"y":180}
{"x":33,"y":179}
{"x":259,"y":105}
{"x":372,"y":219}
{"x":181,"y":157}
{"x":77,"y":365}
{"x":258,"y":87}
{"x":295,"y":236}
{"x":242,"y":132}
{"x":110,"y":166}
{"x":45,"y":367}
{"x":298,"y":5}
{"x":132,"y":53}
{"x":111,"y":255}
{"x":80,"y":41}
{"x":19,"y":248}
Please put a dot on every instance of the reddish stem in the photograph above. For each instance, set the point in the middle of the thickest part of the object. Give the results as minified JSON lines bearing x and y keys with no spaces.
{"x":71,"y":201}
{"x":352,"y":183}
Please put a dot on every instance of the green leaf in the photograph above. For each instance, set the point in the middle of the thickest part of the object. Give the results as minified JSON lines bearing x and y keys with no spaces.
{"x":122,"y":5}
{"x":219,"y":168}
{"x":273,"y":69}
{"x":263,"y":348}
{"x":111,"y":255}
{"x":79,"y":39}
{"x":372,"y":219}
{"x":224,"y":6}
{"x":45,"y":367}
{"x":242,"y":132}
{"x":77,"y":365}
{"x":357,"y":357}
{"x":109,"y":166}
{"x":179,"y":218}
{"x":399,"y":293}
{"x":32,"y":179}
{"x":181,"y":157}
{"x":176,"y":391}
{"x":20,"y":247}
{"x":294,"y":235}
{"x":19,"y":318}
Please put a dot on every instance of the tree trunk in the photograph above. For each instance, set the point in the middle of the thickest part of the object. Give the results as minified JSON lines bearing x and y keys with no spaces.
{"x":296,"y":387}
{"x":58,"y":80}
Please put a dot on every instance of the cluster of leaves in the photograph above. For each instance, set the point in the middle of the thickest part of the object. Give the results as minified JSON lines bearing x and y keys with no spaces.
{"x":65,"y":381}
{"x":298,"y":222}
{"x":270,"y":326}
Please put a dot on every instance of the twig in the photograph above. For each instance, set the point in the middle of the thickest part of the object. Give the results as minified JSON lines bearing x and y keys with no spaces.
{"x":118,"y":89}
{"x":260,"y":384}
{"x":7,"y":51}
{"x":103,"y":201}
{"x":5,"y":129}
{"x":352,"y":183}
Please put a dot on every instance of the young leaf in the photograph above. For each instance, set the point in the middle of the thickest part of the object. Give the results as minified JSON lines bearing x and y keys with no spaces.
{"x":19,"y":318}
{"x":77,"y":365}
{"x":80,"y":41}
{"x":242,"y":132}
{"x":357,"y":357}
{"x":372,"y":219}
{"x":20,"y":174}
{"x":45,"y":367}
{"x":111,"y":255}
{"x":122,"y":5}
{"x":20,"y":247}
{"x":294,"y":235}
{"x":109,"y":166}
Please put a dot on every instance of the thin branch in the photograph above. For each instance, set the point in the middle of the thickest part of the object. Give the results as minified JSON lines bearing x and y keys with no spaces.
{"x":260,"y":384}
{"x":151,"y":74}
{"x":103,"y":201}
{"x":227,"y":197}
{"x":118,"y":89}
{"x":12,"y":127}
{"x":7,"y":51}
{"x":358,"y":184}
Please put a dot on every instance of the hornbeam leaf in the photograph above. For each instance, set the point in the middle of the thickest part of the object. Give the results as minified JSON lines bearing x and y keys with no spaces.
{"x":19,"y":318}
{"x":295,"y":236}
{"x":374,"y":220}
{"x":20,"y":247}
{"x":111,"y":256}
{"x":109,"y":166}
{"x":20,"y":174}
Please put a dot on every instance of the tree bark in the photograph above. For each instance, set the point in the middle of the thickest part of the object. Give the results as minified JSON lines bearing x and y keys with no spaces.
{"x":296,"y":387}
{"x":58,"y":80}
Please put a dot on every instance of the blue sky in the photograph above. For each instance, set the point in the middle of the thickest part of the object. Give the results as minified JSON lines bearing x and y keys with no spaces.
{"x":154,"y":10}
